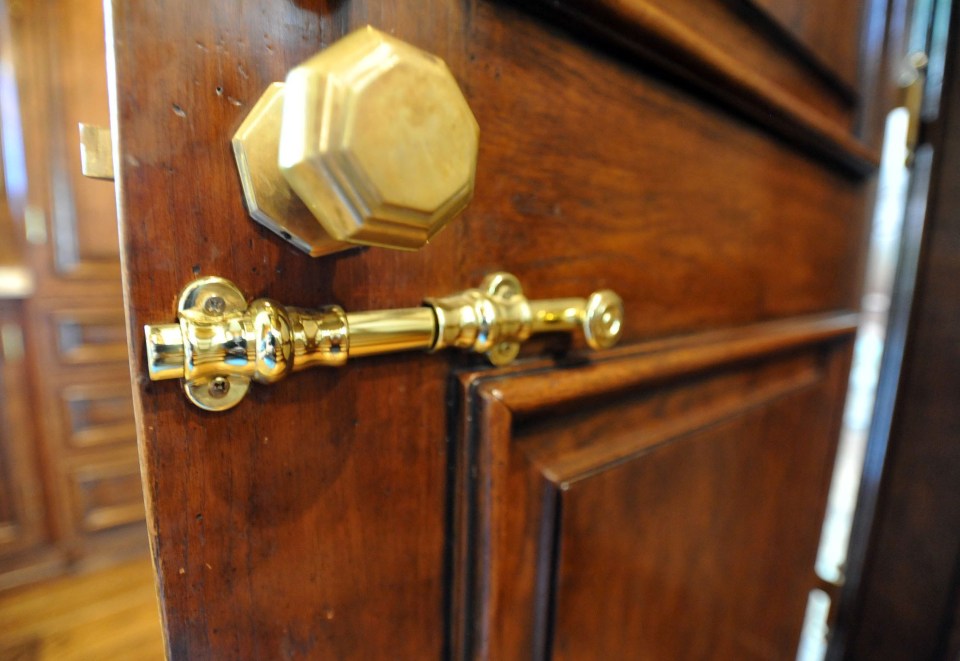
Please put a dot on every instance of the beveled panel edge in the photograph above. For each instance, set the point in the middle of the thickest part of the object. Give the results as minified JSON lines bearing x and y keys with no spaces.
{"x":565,"y":468}
{"x":476,"y":601}
{"x":655,"y":36}
{"x":538,"y":388}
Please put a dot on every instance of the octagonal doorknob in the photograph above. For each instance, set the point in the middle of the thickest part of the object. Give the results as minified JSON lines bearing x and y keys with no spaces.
{"x":370,"y":142}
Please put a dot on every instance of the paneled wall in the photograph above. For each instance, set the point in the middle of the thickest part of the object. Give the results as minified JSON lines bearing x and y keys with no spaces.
{"x":68,"y":439}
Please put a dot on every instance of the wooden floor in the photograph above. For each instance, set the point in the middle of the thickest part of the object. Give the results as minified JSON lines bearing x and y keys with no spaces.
{"x":109,"y":614}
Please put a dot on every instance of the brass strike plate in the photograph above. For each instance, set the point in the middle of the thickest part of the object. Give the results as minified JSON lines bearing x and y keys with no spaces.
{"x":96,"y":152}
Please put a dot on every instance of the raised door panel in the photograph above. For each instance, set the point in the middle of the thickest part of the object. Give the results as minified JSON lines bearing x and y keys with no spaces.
{"x":702,"y":547}
{"x":663,"y":503}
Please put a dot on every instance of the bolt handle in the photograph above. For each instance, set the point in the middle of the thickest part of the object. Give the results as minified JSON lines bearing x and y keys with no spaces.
{"x":221,"y":344}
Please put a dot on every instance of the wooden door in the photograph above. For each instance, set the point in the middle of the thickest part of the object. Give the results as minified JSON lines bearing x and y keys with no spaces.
{"x":710,"y":161}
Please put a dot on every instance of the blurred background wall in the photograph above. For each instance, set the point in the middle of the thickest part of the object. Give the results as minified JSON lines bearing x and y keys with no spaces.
{"x":70,"y":496}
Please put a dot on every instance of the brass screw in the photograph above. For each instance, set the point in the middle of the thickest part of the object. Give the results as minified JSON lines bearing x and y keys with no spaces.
{"x":219,"y":387}
{"x":214,"y":305}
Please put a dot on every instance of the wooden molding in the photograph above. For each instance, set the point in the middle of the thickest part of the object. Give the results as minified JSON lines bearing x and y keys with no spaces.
{"x":644,"y":29}
{"x":632,"y":366}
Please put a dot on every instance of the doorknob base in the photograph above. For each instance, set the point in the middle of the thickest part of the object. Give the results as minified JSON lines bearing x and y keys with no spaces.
{"x":270,"y":199}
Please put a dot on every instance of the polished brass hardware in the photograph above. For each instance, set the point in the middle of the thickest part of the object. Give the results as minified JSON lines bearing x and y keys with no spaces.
{"x":369,"y":142}
{"x":221,"y":343}
{"x":912,"y":81}
{"x":96,"y":152}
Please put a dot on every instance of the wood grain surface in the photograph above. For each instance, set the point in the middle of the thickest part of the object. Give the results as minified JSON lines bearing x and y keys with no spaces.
{"x":314,"y":521}
{"x":108,"y":614}
{"x":746,"y":63}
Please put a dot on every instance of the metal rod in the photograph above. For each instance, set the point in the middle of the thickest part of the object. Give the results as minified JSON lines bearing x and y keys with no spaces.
{"x":557,"y":314}
{"x":389,"y":331}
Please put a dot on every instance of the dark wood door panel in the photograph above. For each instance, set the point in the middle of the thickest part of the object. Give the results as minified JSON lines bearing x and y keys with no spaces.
{"x":105,"y":495}
{"x":671,"y":512}
{"x":564,"y":200}
{"x":702,"y":547}
{"x":683,"y":191}
{"x":96,"y":415}
{"x":94,"y":335}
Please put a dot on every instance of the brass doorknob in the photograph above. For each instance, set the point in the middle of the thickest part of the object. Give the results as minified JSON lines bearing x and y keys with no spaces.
{"x":369,"y":142}
{"x":221,"y":344}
